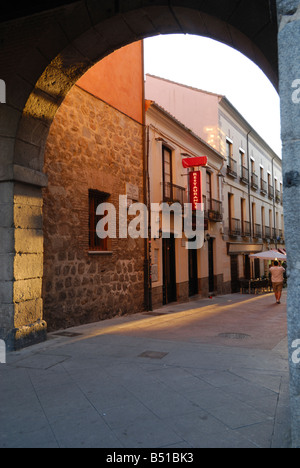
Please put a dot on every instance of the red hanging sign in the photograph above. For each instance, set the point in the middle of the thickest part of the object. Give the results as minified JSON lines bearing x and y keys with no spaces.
{"x":194,"y":162}
{"x":195,"y":189}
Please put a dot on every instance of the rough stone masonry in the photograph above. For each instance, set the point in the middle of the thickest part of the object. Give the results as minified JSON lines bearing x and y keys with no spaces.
{"x":90,"y":146}
{"x":289,"y":74}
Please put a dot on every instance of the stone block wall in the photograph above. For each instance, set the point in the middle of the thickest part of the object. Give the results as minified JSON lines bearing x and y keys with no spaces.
{"x":21,"y":268}
{"x":91,"y":146}
{"x":6,"y":258}
{"x":28,"y":261}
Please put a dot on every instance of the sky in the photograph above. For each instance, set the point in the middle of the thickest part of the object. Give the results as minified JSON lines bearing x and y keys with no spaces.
{"x":209,"y":65}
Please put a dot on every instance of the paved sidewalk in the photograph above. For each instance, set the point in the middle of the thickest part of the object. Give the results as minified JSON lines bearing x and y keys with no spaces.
{"x":210,"y":373}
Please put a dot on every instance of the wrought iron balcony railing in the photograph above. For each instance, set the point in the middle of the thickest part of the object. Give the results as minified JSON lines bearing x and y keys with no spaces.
{"x":263,"y":187}
{"x":257,"y":231}
{"x":278,"y":196}
{"x":254,"y":181}
{"x":267,"y":233}
{"x":174,"y":194}
{"x":212,"y":209}
{"x":246,"y":229}
{"x":231,"y":167}
{"x":234,"y":227}
{"x":215,"y":211}
{"x":244,"y":175}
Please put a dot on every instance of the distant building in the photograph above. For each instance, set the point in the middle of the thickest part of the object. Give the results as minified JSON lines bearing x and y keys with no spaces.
{"x":249,"y":185}
{"x":252,"y":194}
{"x":178,"y":273}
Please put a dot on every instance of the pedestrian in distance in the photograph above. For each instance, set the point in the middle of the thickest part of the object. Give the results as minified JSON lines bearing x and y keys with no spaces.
{"x":277,"y":272}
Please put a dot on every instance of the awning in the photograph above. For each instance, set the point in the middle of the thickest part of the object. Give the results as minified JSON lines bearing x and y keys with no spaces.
{"x":270,"y":255}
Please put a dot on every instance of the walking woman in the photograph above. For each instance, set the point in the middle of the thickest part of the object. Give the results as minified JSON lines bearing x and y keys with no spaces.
{"x":277,"y":279}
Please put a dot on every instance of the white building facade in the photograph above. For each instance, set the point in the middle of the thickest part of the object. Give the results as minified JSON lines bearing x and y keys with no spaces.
{"x":252,"y":194}
{"x":177,"y":272}
{"x":242,"y":185}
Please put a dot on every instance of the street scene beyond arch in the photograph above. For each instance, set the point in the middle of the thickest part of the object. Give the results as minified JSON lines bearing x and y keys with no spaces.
{"x":68,"y":135}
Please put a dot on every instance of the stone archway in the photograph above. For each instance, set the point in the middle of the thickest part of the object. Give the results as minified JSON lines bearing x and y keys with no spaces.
{"x":44,"y":52}
{"x":54,"y":49}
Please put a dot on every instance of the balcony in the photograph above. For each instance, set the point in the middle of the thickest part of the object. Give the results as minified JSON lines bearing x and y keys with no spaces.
{"x":267,"y":233}
{"x":231,"y":167}
{"x":215,"y":211}
{"x":257,"y":231}
{"x":276,"y":234}
{"x":244,"y":175}
{"x":174,"y":194}
{"x":254,"y":181}
{"x":271,"y":192}
{"x":278,"y":197}
{"x":281,"y":235}
{"x":234,"y":227}
{"x":212,"y":210}
{"x":263,"y":187}
{"x":246,"y":229}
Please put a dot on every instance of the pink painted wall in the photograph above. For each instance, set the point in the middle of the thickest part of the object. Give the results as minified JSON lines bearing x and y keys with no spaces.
{"x":196,"y":109}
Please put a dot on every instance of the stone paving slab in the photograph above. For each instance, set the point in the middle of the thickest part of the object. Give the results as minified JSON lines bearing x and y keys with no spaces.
{"x":164,"y":381}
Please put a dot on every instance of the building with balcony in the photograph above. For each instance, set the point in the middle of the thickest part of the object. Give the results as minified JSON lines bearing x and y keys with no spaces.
{"x":178,"y":273}
{"x":249,"y":182}
{"x":252,"y":194}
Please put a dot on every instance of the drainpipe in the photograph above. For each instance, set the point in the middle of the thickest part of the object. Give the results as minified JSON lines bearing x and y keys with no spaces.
{"x":249,"y":198}
{"x":146,"y":183}
{"x":274,"y":204}
{"x":149,"y":240}
{"x":249,"y":186}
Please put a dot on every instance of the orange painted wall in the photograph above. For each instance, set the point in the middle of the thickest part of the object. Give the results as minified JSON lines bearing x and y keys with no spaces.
{"x":119,"y":80}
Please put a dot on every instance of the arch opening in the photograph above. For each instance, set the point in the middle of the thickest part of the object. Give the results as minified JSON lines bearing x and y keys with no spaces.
{"x":71,"y":39}
{"x":62,"y":256}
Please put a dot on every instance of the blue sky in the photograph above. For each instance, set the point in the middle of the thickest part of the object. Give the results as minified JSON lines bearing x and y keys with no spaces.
{"x":212,"y":66}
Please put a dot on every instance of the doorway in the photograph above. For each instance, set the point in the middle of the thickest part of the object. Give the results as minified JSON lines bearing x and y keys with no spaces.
{"x":169,"y":266}
{"x":193,"y":272}
{"x":256,"y":268}
{"x":211,"y":275}
{"x":247,"y":271}
{"x":235,"y":285}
